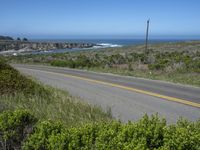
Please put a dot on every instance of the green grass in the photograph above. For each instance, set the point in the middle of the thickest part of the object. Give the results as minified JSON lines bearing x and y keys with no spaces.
{"x":57,"y":106}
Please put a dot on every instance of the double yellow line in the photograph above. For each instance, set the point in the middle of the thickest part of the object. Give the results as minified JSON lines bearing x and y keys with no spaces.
{"x":169,"y":98}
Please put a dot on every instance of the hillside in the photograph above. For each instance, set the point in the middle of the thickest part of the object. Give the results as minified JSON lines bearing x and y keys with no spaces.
{"x":6,"y":38}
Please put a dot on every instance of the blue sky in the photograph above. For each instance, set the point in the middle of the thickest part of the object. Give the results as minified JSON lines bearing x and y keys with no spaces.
{"x":99,"y":18}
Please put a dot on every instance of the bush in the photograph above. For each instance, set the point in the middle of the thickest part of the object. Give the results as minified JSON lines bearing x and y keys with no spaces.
{"x":159,"y":64}
{"x":60,"y":63}
{"x":80,"y":62}
{"x":12,"y":82}
{"x":14,"y":128}
{"x":42,"y":137}
{"x":148,"y":133}
{"x":156,"y":66}
{"x":19,"y":129}
{"x":184,"y":135}
{"x":194,"y":65}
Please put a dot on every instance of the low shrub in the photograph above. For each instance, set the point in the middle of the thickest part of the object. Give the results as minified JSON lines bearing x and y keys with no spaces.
{"x":21,"y":130}
{"x":12,"y":82}
{"x":184,"y":135}
{"x":45,"y":137}
{"x":14,"y":128}
{"x":148,"y":133}
{"x":194,"y":65}
{"x":60,"y":63}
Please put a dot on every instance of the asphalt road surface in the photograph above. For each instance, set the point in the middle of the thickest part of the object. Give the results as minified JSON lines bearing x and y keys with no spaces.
{"x":129,"y":98}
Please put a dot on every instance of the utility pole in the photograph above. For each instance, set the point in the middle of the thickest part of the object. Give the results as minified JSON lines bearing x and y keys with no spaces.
{"x":147,"y":36}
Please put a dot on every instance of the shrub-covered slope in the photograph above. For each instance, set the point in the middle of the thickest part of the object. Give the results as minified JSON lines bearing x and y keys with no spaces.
{"x":12,"y":82}
{"x":21,"y":130}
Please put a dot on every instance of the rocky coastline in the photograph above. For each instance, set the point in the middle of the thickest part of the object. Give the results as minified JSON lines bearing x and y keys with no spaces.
{"x":42,"y":46}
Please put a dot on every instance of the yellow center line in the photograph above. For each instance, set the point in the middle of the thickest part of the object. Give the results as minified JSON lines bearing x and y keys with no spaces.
{"x":169,"y":98}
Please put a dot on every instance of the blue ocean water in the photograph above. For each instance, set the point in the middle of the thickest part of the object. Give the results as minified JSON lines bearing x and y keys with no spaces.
{"x":121,"y":42}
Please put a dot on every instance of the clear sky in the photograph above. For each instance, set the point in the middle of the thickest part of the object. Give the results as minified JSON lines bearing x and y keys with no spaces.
{"x":99,"y":18}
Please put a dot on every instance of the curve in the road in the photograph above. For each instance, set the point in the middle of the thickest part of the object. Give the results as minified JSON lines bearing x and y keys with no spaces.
{"x":178,"y":100}
{"x":129,"y":98}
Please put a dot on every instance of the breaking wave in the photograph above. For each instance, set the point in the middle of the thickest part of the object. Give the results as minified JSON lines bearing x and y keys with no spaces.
{"x":106,"y":45}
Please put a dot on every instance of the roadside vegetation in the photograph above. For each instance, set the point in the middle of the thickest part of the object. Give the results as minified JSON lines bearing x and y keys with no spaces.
{"x":174,"y":62}
{"x":38,"y":117}
{"x":21,"y":130}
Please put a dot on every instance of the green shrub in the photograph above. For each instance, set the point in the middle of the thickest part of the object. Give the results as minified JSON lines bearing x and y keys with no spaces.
{"x":194,"y":65}
{"x":148,"y":133}
{"x":42,"y":137}
{"x":80,"y":61}
{"x":159,"y":64}
{"x":14,"y":128}
{"x":184,"y":135}
{"x":19,"y":129}
{"x":12,"y":82}
{"x":156,"y":66}
{"x":59,"y":63}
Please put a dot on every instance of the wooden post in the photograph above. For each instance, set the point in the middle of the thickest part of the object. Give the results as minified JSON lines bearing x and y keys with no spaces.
{"x":147,"y":36}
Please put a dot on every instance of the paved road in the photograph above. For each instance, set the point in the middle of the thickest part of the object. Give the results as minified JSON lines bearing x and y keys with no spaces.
{"x":129,"y":98}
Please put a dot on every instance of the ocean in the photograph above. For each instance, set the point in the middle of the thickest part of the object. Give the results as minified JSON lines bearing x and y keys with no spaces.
{"x":110,"y":42}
